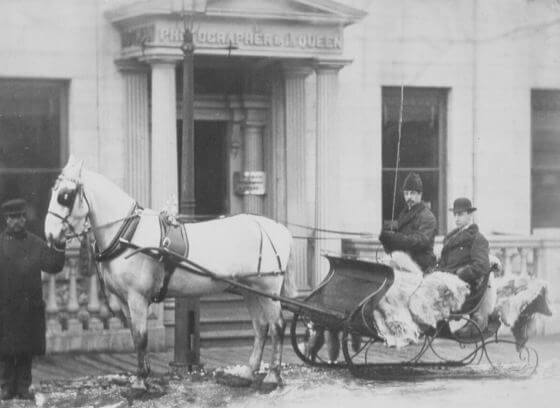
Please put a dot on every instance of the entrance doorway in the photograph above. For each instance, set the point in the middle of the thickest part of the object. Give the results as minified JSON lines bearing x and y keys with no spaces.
{"x":210,"y":167}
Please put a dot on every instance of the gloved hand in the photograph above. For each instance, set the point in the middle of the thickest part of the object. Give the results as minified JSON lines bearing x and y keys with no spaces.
{"x":466,"y":274}
{"x":386,"y":239}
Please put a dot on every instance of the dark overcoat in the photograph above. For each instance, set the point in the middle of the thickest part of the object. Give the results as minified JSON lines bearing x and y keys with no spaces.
{"x":465,"y":253}
{"x":22,"y":310}
{"x":416,"y":231}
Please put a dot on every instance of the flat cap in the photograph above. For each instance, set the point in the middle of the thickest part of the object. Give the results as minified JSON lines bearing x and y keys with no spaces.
{"x":15,"y":206}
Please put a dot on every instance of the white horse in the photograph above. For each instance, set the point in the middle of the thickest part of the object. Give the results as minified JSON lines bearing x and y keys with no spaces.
{"x":229,"y":247}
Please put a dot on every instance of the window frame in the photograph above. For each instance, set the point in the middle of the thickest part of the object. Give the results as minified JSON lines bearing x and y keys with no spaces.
{"x":442,"y":95}
{"x":537,"y":93}
{"x":63,"y":95}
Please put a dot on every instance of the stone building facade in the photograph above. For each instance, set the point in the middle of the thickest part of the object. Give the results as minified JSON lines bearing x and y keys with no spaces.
{"x":296,"y":114}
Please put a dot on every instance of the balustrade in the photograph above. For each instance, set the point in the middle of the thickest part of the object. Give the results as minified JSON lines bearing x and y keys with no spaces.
{"x":78,"y":318}
{"x":522,"y":256}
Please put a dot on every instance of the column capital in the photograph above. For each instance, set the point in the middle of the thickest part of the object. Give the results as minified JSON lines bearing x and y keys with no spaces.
{"x":295,"y":69}
{"x":330,"y":65}
{"x":160,"y":60}
{"x":130,"y":65}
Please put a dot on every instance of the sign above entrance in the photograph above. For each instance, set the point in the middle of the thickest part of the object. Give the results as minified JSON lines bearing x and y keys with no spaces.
{"x":254,"y":39}
{"x":249,"y":182}
{"x":243,"y":37}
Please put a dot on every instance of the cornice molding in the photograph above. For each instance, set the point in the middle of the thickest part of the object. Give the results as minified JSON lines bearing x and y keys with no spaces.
{"x":328,"y":12}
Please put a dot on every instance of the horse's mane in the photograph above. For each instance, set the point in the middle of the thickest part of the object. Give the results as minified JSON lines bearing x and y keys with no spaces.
{"x":76,"y":171}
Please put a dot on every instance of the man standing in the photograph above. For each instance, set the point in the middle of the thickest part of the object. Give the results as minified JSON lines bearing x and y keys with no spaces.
{"x":22,"y":311}
{"x":465,"y":250}
{"x":416,"y":226}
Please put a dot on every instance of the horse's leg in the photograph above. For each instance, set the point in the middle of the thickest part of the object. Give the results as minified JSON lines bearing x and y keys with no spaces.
{"x":273,"y":312}
{"x":138,"y":309}
{"x":260,"y":326}
{"x":333,"y":345}
{"x":316,"y":340}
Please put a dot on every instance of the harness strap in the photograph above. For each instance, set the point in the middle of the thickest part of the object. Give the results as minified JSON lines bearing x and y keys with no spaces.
{"x":271,"y":244}
{"x":260,"y":249}
{"x":103,"y":289}
{"x":126,"y":231}
{"x":169,"y":266}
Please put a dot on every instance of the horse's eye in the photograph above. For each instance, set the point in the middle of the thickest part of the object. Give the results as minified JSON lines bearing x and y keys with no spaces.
{"x":66,"y":198}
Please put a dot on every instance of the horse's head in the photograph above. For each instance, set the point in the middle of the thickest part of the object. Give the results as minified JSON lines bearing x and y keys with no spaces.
{"x":68,"y":207}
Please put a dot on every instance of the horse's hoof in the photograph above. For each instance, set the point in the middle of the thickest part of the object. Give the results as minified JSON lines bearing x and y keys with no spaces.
{"x":138,"y":385}
{"x":271,"y":381}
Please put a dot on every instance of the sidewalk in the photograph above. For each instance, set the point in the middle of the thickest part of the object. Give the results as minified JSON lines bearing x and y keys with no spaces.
{"x":72,"y":366}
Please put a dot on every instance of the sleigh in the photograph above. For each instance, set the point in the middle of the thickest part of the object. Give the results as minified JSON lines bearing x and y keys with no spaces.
{"x":342,"y":308}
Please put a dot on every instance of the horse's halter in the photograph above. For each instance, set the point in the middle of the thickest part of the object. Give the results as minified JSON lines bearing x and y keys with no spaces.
{"x":67,"y":198}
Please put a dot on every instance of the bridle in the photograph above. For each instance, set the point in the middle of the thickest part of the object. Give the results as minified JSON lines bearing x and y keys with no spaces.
{"x":68,"y":199}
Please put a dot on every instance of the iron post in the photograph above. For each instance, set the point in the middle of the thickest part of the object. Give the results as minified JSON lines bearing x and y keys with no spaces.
{"x":187,"y":309}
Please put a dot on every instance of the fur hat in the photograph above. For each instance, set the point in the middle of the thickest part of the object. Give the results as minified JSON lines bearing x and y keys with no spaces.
{"x":413,"y":182}
{"x":14,"y":207}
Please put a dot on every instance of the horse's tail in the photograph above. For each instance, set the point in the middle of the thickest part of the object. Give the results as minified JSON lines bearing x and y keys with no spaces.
{"x":289,"y":288}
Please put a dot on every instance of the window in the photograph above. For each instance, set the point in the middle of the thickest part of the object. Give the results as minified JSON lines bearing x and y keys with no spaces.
{"x":32,"y":142}
{"x":422,"y":147}
{"x":545,"y":177}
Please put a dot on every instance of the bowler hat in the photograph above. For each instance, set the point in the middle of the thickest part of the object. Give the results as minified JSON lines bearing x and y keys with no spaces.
{"x":413,"y":182}
{"x":462,"y":204}
{"x":14,"y":207}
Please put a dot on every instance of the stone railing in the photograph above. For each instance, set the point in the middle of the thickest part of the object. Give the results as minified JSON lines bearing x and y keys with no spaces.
{"x":531,"y":256}
{"x":519,"y":255}
{"x":77,"y":315}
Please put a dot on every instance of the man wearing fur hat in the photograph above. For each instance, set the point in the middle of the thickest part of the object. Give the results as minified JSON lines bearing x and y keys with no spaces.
{"x":416,"y":226}
{"x":23,"y":256}
{"x":465,"y":250}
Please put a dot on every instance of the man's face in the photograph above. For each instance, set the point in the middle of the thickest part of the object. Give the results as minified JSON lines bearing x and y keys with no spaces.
{"x":16,"y":222}
{"x":462,"y":218}
{"x":412,"y":197}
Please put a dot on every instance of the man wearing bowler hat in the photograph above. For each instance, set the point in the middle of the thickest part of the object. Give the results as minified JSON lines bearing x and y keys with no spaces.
{"x":416,"y":226}
{"x":23,"y":256}
{"x":465,"y":250}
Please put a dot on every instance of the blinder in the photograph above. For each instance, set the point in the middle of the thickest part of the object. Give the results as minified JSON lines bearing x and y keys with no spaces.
{"x":67,"y":196}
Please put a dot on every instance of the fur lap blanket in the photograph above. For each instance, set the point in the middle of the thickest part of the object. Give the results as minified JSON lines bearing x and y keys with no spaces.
{"x":415,"y":303}
{"x":519,"y":298}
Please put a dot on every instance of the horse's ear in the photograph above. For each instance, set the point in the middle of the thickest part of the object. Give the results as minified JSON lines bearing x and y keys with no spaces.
{"x":80,"y":165}
{"x":71,"y":161}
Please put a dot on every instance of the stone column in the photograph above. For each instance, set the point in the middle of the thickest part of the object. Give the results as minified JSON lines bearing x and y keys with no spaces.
{"x":327,"y":165}
{"x":253,"y":149}
{"x":164,"y":174}
{"x":137,"y":132}
{"x":164,"y":179}
{"x":253,"y":161}
{"x":296,"y":155}
{"x":275,"y":154}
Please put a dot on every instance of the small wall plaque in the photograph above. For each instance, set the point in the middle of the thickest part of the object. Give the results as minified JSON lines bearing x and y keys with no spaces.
{"x":249,"y":182}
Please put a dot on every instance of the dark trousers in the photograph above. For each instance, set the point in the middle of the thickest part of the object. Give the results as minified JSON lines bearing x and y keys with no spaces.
{"x":16,"y":373}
